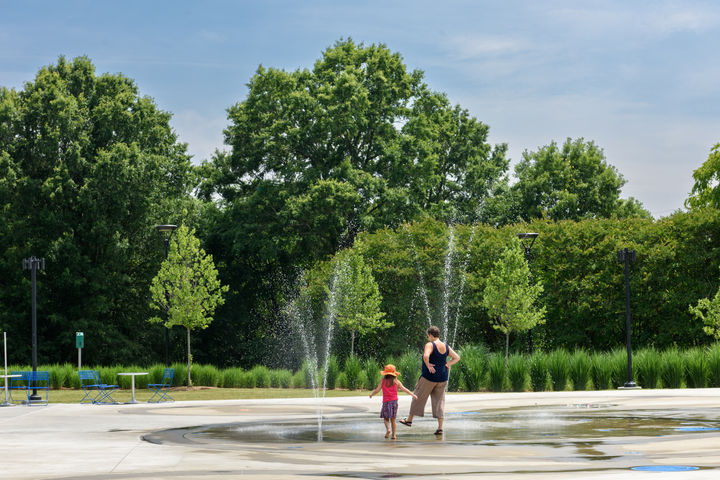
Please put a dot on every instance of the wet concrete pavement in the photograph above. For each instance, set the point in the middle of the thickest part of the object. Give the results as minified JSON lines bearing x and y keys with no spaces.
{"x":606,"y":434}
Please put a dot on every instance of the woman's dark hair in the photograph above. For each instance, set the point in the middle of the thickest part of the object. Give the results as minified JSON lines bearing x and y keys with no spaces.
{"x":434,"y":331}
{"x":389,"y":380}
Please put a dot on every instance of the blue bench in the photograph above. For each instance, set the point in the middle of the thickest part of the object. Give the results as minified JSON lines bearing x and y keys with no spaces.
{"x":18,"y":384}
{"x":38,"y":382}
{"x":161,"y":389}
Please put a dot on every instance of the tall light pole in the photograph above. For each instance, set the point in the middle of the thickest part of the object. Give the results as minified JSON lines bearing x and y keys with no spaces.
{"x":34,"y":264}
{"x":527,"y":240}
{"x":166,"y":231}
{"x":626,"y":256}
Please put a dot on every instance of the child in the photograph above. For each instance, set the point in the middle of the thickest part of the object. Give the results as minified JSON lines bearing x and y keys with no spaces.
{"x":389,"y":386}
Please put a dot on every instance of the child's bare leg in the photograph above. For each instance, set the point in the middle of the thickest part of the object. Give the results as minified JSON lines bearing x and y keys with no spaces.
{"x":387,"y":426}
{"x":392,"y":422}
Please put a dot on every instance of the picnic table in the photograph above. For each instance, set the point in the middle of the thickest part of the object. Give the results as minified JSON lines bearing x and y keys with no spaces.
{"x":132,"y":377}
{"x":6,"y":376}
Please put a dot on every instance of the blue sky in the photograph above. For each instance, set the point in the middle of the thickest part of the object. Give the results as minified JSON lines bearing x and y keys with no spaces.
{"x":640,"y":78}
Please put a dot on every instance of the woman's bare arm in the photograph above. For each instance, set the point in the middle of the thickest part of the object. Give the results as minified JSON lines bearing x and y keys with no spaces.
{"x":454,"y":357}
{"x":426,"y":357}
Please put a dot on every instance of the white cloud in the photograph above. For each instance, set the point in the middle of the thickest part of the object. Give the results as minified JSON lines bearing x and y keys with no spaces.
{"x":472,"y":45}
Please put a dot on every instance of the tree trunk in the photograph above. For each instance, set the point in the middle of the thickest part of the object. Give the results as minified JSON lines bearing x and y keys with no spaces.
{"x":507,"y":346}
{"x":352,"y":342}
{"x":189,"y":358}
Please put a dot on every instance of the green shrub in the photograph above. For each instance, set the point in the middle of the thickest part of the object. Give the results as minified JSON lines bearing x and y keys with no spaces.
{"x":455,"y":381}
{"x":232,"y":377}
{"x":496,"y":372}
{"x":342,"y":380}
{"x":180,"y":377}
{"x":580,"y":366}
{"x":672,"y":369}
{"x":247,"y":379}
{"x":205,"y":375}
{"x":409,"y":367}
{"x":517,"y":372}
{"x":353,"y":368}
{"x":73,"y":380}
{"x":109,"y":376}
{"x":261,"y":375}
{"x":713,"y":364}
{"x":559,"y":369}
{"x":310,"y":371}
{"x":601,"y":371}
{"x":618,"y":362}
{"x":372,"y":374}
{"x":362,"y":380}
{"x":473,"y":366}
{"x":333,"y":370}
{"x":298,"y":379}
{"x":155,"y":373}
{"x":696,"y":369}
{"x":60,"y":375}
{"x":646,"y":367}
{"x":280,"y":378}
{"x":538,"y":372}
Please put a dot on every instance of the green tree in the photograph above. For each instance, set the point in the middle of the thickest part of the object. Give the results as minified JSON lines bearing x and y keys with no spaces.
{"x":510,"y":298}
{"x":570,"y":183}
{"x":87,"y":166}
{"x":705,"y":191}
{"x":317,"y":155}
{"x":356,"y":297}
{"x":708,"y":310}
{"x":187,"y":287}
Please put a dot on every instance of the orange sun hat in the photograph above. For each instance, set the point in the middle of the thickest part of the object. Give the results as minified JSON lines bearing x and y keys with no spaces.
{"x":390,"y":370}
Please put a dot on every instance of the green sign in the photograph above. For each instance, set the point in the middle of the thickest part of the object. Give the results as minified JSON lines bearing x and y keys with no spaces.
{"x":79,"y":340}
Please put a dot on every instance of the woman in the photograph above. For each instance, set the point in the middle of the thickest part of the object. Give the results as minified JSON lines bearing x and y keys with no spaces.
{"x":433,"y":380}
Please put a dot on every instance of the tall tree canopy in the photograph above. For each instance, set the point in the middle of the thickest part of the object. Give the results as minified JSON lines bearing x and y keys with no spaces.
{"x":570,"y":182}
{"x":706,"y":190}
{"x":87,"y":167}
{"x":356,"y":143}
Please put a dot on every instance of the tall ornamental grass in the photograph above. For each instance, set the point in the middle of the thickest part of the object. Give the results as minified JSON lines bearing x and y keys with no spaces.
{"x":538,"y":371}
{"x":517,"y":372}
{"x":372,"y":374}
{"x":206,"y":375}
{"x":713,"y":364}
{"x":580,"y":366}
{"x":354,"y":373}
{"x":473,"y":367}
{"x":298,"y":379}
{"x":646,"y":367}
{"x":672,"y":369}
{"x":601,"y":371}
{"x":696,"y":370}
{"x":496,"y":372}
{"x":333,"y":370}
{"x":232,"y":377}
{"x":409,"y":367}
{"x":180,"y":378}
{"x":281,"y":378}
{"x":456,"y":381}
{"x":559,"y":369}
{"x":618,"y":362}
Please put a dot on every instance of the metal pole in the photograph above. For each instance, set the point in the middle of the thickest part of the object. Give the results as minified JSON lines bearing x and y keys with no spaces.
{"x":166,"y":240}
{"x":33,"y":269}
{"x":629,"y":383}
{"x":529,"y":332}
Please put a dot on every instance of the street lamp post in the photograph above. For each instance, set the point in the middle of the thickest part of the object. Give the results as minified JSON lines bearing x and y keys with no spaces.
{"x":34,"y":264}
{"x":626,"y":256}
{"x":527,"y":240}
{"x":166,"y":231}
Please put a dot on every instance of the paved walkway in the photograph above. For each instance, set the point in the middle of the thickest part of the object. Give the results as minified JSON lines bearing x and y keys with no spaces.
{"x":65,"y":441}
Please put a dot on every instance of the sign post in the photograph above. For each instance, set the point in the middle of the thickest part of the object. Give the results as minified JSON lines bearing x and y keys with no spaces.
{"x":79,"y":344}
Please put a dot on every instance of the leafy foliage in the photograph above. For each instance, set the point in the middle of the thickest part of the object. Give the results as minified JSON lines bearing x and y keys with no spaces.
{"x":705,"y":191}
{"x":509,"y":297}
{"x":187,"y":287}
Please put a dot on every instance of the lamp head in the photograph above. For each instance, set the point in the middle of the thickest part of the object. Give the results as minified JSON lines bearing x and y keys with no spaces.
{"x":165,"y":228}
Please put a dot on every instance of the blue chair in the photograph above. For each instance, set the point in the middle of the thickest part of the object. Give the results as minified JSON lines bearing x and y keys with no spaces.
{"x":162,"y":389}
{"x":18,"y":384}
{"x":105,"y":390}
{"x":37,"y":382}
{"x":89,"y":386}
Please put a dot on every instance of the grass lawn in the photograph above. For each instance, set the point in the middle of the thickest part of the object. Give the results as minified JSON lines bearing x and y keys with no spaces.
{"x":207,"y":393}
